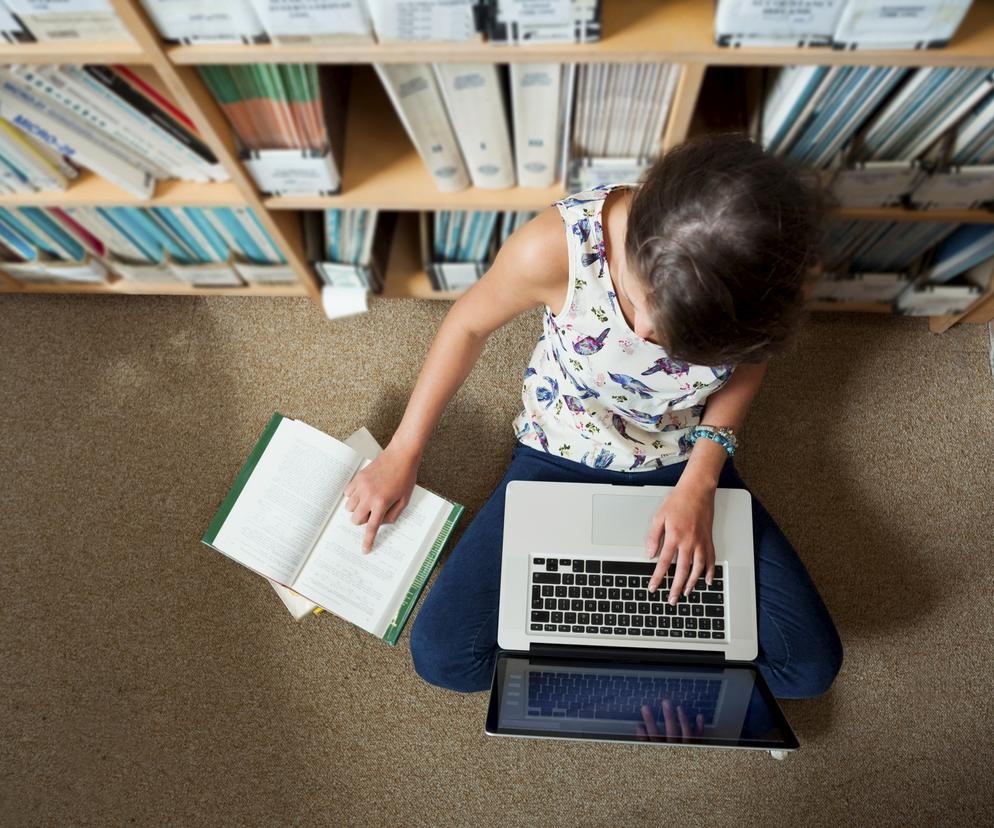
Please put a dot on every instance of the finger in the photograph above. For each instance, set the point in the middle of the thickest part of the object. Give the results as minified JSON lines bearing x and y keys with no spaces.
{"x":655,"y":535}
{"x":709,"y":577}
{"x":669,"y":720}
{"x":665,"y":559}
{"x":374,"y":523}
{"x":394,"y":511}
{"x":350,"y":488}
{"x":700,"y":725}
{"x":680,"y":577}
{"x":640,"y":733}
{"x":650,"y":722}
{"x":352,"y":501}
{"x":684,"y":722}
{"x":700,"y":563}
{"x":360,"y":514}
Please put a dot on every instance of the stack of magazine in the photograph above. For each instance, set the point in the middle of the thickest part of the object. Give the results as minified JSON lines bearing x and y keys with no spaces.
{"x":921,"y":268}
{"x":109,"y":119}
{"x":888,"y":134}
{"x":289,"y":120}
{"x":842,"y":24}
{"x":618,"y":120}
{"x":348,"y":248}
{"x":64,"y":20}
{"x":459,"y":245}
{"x":366,"y":21}
{"x":218,"y":246}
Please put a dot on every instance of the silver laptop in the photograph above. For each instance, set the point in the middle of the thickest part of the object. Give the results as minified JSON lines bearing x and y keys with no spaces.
{"x":588,"y":652}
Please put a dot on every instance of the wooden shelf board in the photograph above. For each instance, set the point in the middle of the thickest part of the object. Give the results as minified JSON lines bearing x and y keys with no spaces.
{"x":123,"y":287}
{"x":72,"y":52}
{"x":634,"y":30}
{"x":406,"y":277}
{"x":900,"y":214}
{"x":859,"y":307}
{"x":91,"y":190}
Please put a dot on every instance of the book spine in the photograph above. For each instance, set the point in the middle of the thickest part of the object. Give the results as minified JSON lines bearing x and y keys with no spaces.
{"x":40,"y":172}
{"x":198,"y":151}
{"x":21,"y":107}
{"x":153,"y":95}
{"x":136,"y":129}
{"x":414,"y":591}
{"x":95,"y":114}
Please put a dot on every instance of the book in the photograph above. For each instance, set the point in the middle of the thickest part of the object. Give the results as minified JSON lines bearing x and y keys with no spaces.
{"x":795,"y":23}
{"x":522,"y":22}
{"x":536,"y":90}
{"x":885,"y":24}
{"x":28,"y":110}
{"x":285,"y":518}
{"x":205,"y":21}
{"x":299,"y":606}
{"x":960,"y":251}
{"x":415,"y":95}
{"x":73,"y":20}
{"x":315,"y":21}
{"x":11,"y":29}
{"x":475,"y":102}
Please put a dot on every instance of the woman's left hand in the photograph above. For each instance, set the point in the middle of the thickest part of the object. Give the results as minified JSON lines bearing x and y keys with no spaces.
{"x":682,"y":526}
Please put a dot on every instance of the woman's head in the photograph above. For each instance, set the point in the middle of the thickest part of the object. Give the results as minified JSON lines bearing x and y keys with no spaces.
{"x":719,"y":240}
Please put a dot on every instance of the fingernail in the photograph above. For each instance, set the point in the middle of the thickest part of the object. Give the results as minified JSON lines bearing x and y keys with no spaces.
{"x":652,"y":586}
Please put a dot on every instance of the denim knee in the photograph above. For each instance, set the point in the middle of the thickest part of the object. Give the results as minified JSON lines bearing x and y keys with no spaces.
{"x":438,"y":659}
{"x":814,"y":672}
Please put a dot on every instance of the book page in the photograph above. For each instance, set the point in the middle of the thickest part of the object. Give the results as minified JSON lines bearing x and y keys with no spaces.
{"x":287,"y":500}
{"x":364,"y":588}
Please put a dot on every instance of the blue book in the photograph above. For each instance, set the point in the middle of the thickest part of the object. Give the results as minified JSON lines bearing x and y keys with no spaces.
{"x":173,"y":226}
{"x":67,"y":247}
{"x":16,"y":242}
{"x":967,"y":247}
{"x":151,"y":249}
{"x":207,"y":230}
{"x":245,"y":242}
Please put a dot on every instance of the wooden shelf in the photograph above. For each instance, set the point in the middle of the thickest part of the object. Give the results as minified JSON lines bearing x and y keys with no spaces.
{"x":859,"y":307}
{"x":91,"y":190}
{"x":634,"y":30}
{"x":72,"y":52}
{"x":123,"y":287}
{"x":900,"y":214}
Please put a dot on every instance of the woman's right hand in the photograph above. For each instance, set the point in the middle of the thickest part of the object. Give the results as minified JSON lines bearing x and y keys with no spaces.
{"x":379,"y":492}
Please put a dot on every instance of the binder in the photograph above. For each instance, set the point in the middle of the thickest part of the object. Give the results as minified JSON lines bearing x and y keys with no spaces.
{"x":796,"y":24}
{"x":475,"y":104}
{"x":884,"y":24}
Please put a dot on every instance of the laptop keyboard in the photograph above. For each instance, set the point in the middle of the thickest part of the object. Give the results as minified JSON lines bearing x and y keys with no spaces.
{"x":611,"y":598}
{"x":599,"y":696}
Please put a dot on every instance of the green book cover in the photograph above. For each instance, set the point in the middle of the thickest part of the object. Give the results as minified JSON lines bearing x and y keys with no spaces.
{"x":418,"y":584}
{"x":236,"y":489}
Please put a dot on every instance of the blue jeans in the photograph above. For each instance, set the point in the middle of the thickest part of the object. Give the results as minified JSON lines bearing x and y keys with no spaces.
{"x":454,"y":638}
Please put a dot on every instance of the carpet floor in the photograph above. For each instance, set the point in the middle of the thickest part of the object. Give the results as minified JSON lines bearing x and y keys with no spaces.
{"x":148,"y":680}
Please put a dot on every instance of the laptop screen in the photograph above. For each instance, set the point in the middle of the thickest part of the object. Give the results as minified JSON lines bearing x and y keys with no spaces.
{"x":688,"y":704}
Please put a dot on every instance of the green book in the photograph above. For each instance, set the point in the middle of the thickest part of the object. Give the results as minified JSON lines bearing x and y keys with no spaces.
{"x":285,"y":518}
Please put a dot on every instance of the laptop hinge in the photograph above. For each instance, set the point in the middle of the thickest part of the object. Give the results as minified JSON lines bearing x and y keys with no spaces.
{"x":627,"y":654}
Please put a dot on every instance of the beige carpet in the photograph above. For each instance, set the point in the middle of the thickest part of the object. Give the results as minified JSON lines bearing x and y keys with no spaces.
{"x":148,"y":680}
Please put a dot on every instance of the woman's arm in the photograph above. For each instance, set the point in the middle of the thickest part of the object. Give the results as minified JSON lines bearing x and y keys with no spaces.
{"x":530,"y":270}
{"x":683,"y":523}
{"x":725,"y":407}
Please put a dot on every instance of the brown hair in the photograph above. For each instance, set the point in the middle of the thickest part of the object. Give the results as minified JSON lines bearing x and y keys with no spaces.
{"x":722,"y":235}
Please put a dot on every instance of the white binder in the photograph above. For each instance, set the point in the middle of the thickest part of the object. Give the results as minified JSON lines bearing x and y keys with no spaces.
{"x":475,"y":102}
{"x":415,"y":95}
{"x":535,"y":97}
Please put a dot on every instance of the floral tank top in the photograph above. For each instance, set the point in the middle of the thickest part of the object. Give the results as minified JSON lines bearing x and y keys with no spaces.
{"x":595,"y":392}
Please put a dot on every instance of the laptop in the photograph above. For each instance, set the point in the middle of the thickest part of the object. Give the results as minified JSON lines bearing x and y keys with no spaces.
{"x":588,"y":653}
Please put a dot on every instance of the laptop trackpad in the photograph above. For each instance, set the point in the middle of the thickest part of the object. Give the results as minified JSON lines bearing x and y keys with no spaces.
{"x":622,"y":520}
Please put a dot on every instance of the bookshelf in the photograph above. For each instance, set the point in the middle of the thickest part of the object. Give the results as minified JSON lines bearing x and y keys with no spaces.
{"x":380,"y":167}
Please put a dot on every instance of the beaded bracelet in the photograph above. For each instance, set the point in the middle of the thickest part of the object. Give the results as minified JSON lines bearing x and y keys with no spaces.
{"x":724,"y":436}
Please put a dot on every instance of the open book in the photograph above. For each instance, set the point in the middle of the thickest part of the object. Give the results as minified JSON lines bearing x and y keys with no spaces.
{"x":285,"y":518}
